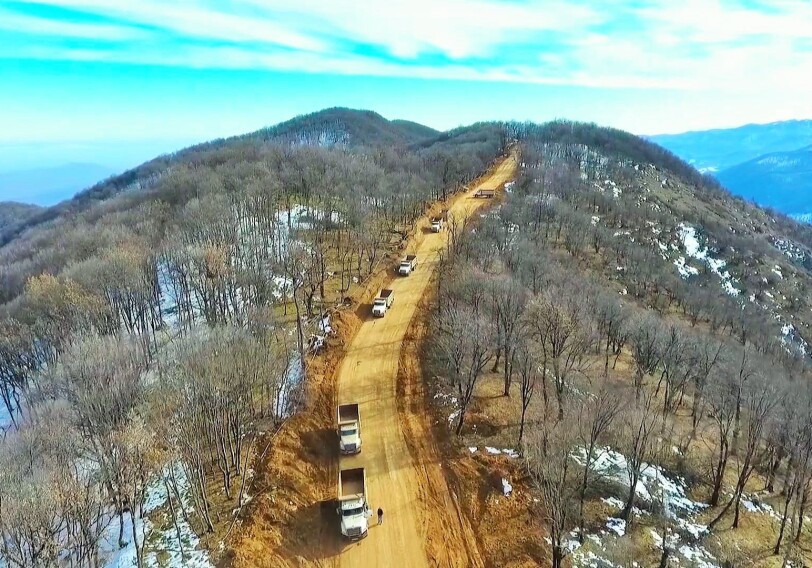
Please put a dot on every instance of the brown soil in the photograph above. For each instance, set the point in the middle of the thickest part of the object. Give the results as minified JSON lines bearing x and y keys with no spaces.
{"x":291,"y":520}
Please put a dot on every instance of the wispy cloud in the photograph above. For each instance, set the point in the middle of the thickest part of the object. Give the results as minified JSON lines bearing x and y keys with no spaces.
{"x":692,"y":44}
{"x":34,"y":26}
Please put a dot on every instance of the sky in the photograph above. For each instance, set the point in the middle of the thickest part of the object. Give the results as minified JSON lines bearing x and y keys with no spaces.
{"x":116,"y":82}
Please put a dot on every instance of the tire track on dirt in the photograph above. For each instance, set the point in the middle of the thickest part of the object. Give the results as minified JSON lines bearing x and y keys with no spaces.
{"x":422,"y":525}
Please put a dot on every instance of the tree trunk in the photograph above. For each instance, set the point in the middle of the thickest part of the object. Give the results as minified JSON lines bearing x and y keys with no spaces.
{"x":139,"y":559}
{"x":801,"y":510}
{"x":121,"y":543}
{"x":625,"y":514}
{"x":508,"y":374}
{"x":175,"y":520}
{"x":521,"y":423}
{"x":777,"y":547}
{"x":460,"y":422}
{"x":558,"y":556}
{"x":737,"y":509}
{"x":664,"y":556}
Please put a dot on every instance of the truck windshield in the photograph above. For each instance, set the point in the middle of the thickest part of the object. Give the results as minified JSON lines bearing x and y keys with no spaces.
{"x":348,"y":432}
{"x":380,"y":302}
{"x":352,"y":512}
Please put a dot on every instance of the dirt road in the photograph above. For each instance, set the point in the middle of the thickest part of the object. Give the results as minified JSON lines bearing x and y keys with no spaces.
{"x":368,"y":376}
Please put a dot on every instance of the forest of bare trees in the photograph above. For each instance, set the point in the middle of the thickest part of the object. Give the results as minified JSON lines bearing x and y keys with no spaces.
{"x":148,"y":340}
{"x":552,"y":294}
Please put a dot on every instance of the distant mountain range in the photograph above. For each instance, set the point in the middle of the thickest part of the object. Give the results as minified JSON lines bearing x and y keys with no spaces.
{"x":768,"y":163}
{"x":716,"y":150}
{"x":782,"y":180}
{"x":46,"y":186}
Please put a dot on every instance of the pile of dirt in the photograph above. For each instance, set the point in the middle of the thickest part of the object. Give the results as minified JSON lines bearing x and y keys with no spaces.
{"x":294,"y":481}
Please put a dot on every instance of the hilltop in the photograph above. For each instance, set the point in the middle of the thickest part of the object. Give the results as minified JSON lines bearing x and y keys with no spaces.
{"x":334,"y":127}
{"x":343,"y":127}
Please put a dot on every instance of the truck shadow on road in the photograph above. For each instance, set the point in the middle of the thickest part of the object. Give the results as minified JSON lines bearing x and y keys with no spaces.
{"x":364,"y":312}
{"x":320,"y":537}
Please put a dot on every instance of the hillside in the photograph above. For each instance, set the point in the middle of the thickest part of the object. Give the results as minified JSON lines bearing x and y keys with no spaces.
{"x":185,"y":307}
{"x":621,"y":323}
{"x":12,"y":213}
{"x":609,"y":360}
{"x":716,"y":150}
{"x":335,"y":127}
{"x":782,"y":180}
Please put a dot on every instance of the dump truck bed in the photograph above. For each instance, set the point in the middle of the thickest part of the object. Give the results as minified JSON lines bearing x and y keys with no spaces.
{"x":347,"y":413}
{"x":351,"y":482}
{"x":385,"y":293}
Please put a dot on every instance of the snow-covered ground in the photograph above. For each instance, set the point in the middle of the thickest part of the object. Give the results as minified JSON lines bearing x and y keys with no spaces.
{"x":655,"y":486}
{"x":163,"y":548}
{"x":693,"y":249}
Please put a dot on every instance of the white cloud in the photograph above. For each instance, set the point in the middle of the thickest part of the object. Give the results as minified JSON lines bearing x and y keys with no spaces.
{"x":41,"y":26}
{"x":194,"y":19}
{"x":689,"y":45}
{"x":454,"y":28}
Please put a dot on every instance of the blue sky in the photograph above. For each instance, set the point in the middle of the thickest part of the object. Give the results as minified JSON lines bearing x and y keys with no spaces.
{"x":116,"y":81}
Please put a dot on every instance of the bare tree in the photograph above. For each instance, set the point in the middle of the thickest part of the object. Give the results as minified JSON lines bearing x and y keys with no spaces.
{"x":595,"y":416}
{"x":30,"y":516}
{"x":527,"y":366}
{"x":555,"y":475}
{"x":722,"y":398}
{"x":509,"y":298}
{"x":646,"y":339}
{"x":636,"y":439}
{"x":465,"y":346}
{"x":564,"y":332}
{"x":101,"y":380}
{"x":611,"y":317}
{"x":759,"y":398}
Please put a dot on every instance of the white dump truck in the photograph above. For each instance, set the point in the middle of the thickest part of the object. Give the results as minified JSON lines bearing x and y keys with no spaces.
{"x":352,"y":503}
{"x":407,"y":264}
{"x":485,"y":193}
{"x":349,"y":428}
{"x":436,"y":224}
{"x":382,"y":302}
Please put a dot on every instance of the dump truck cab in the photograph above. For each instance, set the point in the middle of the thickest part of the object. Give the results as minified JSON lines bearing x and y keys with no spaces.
{"x":382,"y":302}
{"x":349,"y":428}
{"x":407,"y":264}
{"x":353,"y":508}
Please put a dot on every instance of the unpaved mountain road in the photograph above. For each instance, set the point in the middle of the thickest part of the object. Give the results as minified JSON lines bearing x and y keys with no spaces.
{"x":368,"y":376}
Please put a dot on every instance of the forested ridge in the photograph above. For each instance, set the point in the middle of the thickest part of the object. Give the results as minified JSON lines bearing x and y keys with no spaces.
{"x":149,"y":337}
{"x":616,"y":305}
{"x":641,"y":336}
{"x":340,"y":127}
